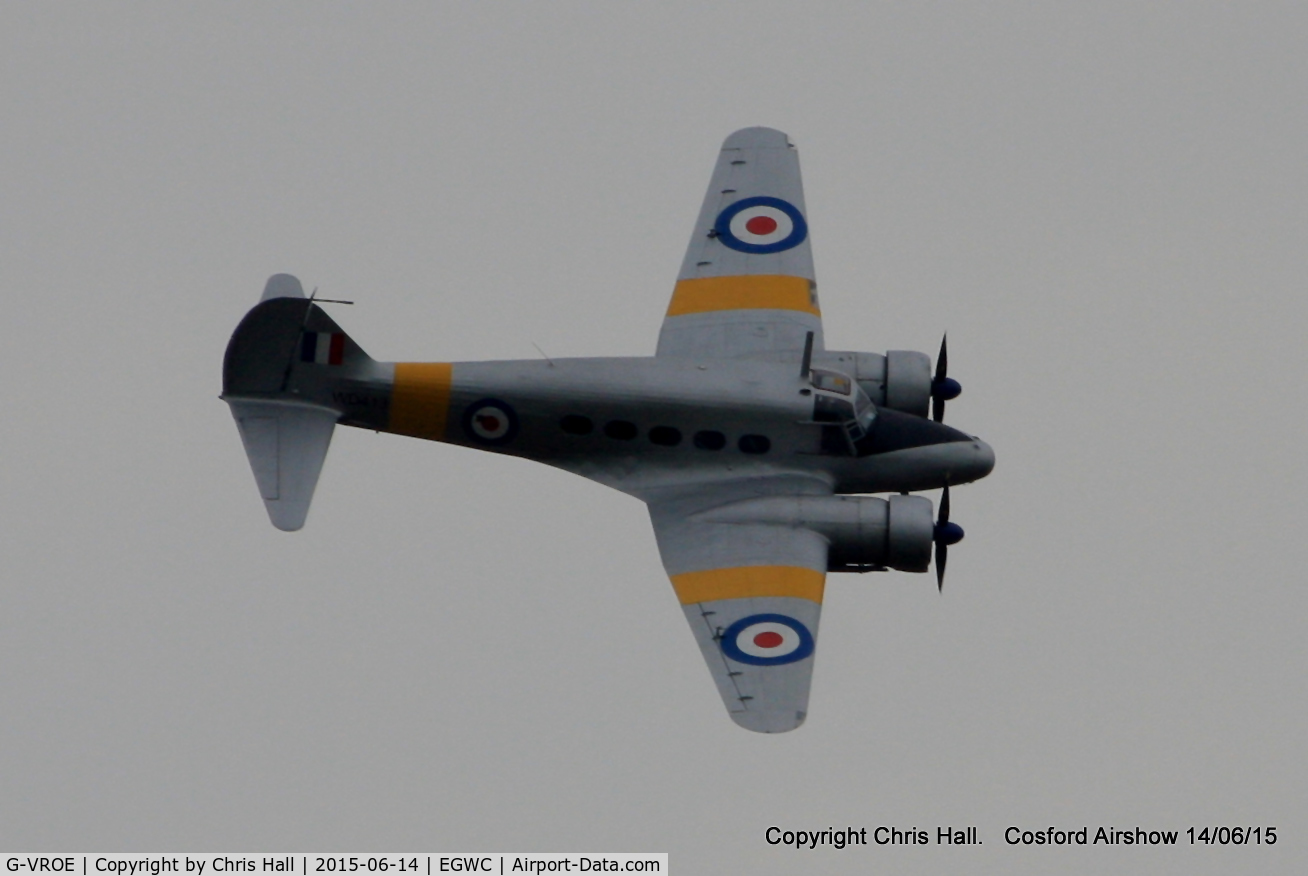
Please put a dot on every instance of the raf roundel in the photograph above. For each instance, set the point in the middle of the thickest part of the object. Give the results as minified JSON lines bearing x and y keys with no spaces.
{"x":767,"y":640}
{"x":490,"y":421}
{"x":761,"y":225}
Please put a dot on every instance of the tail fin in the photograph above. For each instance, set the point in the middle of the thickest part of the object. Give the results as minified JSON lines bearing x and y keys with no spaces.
{"x":280,"y":395}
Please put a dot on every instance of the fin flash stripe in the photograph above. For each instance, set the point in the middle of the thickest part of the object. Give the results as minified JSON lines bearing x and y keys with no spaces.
{"x":323,"y":348}
{"x":420,"y":399}
{"x":743,"y":292}
{"x":744,"y":582}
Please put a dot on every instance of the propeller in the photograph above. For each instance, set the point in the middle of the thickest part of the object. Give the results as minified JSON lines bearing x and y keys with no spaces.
{"x":945,"y":534}
{"x":943,"y":387}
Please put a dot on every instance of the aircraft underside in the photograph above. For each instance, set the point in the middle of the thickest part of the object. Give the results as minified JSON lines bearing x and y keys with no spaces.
{"x":753,"y":446}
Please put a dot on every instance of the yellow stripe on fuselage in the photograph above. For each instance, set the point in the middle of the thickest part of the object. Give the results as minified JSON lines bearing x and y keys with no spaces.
{"x":420,"y":399}
{"x":743,"y":292}
{"x":744,"y":582}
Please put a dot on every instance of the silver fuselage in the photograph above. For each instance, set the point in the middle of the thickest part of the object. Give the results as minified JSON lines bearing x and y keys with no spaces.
{"x":630,"y":401}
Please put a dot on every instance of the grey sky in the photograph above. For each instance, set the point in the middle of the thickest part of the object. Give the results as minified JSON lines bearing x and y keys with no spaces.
{"x":1106,"y":207}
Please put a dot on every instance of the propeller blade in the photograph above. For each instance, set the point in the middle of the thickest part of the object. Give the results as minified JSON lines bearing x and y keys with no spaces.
{"x":946,"y":533}
{"x":942,"y":387}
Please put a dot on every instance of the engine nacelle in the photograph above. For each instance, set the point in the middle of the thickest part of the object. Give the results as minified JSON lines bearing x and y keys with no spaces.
{"x":901,"y":379}
{"x":865,"y":533}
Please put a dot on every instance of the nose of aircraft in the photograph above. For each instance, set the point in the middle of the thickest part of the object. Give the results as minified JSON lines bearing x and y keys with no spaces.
{"x":894,"y":430}
{"x":983,"y":459}
{"x":949,"y":454}
{"x":968,"y":461}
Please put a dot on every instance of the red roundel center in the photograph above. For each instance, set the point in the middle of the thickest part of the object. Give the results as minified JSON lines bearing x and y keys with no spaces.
{"x":488,"y":422}
{"x":761,"y":225}
{"x":768,"y":639}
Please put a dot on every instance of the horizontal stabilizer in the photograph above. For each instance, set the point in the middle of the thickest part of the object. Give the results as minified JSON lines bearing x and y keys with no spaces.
{"x":286,"y":442}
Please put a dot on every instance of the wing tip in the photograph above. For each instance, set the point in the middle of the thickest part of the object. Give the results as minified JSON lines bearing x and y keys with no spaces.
{"x":770,"y":721}
{"x":757,"y":138}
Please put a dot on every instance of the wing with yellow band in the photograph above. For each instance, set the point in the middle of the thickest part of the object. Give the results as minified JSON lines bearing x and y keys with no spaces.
{"x":753,"y":596}
{"x":747,"y":286}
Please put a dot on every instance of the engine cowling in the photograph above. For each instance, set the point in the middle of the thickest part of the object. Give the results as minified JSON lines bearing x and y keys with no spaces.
{"x":865,"y":533}
{"x":901,"y":379}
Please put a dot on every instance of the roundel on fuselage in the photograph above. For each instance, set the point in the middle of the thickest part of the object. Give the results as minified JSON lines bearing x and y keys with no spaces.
{"x":761,"y":225}
{"x":490,"y":421}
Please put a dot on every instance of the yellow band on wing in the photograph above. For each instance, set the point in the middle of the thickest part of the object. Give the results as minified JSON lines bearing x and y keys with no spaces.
{"x":420,"y":399}
{"x":744,"y":292}
{"x":744,"y":582}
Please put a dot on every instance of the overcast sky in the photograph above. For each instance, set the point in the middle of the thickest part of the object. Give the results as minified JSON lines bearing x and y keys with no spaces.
{"x":1106,"y":206}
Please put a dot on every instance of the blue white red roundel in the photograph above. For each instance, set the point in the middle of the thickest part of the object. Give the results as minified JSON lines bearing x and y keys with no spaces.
{"x":490,"y":421}
{"x":767,"y":640}
{"x":761,"y":225}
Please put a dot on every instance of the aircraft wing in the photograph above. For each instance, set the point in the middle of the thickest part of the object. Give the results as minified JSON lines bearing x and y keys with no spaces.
{"x":752,"y":593}
{"x":746,"y":286}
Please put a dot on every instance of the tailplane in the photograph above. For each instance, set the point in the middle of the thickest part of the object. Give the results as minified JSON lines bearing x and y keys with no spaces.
{"x":286,"y":443}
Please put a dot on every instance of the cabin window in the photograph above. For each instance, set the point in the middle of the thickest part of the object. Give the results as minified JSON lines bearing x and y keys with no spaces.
{"x":620,"y":430}
{"x":754,"y":444}
{"x":710,"y":440}
{"x":575,"y":424}
{"x":665,"y":436}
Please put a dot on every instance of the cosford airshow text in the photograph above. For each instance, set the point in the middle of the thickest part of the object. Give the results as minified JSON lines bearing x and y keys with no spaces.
{"x":1107,"y":836}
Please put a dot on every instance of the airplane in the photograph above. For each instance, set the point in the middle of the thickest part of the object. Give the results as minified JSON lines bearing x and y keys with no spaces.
{"x":752,"y":444}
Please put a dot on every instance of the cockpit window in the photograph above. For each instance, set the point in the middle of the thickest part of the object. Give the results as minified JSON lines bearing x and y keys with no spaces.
{"x":866,"y":411}
{"x":831,"y":410}
{"x":831,"y":381}
{"x":851,"y":421}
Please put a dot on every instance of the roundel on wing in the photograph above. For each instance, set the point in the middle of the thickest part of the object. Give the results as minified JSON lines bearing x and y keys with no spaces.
{"x":767,"y":640}
{"x":490,"y":421}
{"x":761,"y":225}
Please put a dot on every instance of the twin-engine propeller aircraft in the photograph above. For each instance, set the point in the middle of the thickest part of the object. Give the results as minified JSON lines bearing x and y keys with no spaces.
{"x":742,"y":433}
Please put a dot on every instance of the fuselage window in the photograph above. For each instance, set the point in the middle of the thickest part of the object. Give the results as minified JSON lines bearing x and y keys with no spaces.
{"x":620,"y":429}
{"x":754,"y":444}
{"x":710,"y":440}
{"x":665,"y":435}
{"x":575,"y":424}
